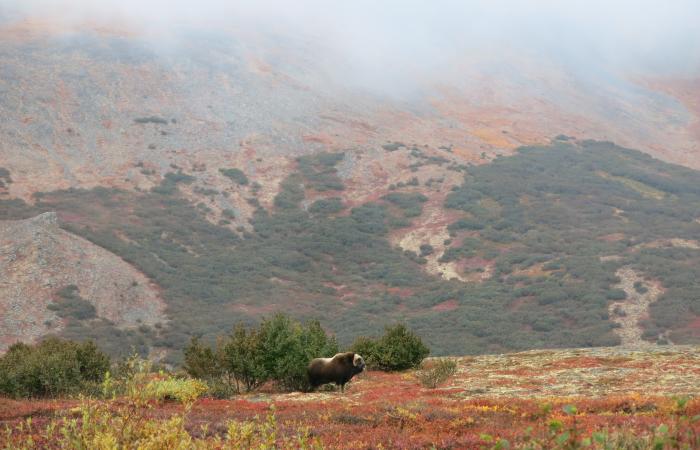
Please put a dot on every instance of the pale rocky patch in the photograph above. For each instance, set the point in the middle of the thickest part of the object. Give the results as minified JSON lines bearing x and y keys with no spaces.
{"x":634,"y":308}
{"x":436,"y":238}
{"x":671,"y":242}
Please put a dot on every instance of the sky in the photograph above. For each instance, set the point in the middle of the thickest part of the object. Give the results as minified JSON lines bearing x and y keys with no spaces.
{"x":424,"y":39}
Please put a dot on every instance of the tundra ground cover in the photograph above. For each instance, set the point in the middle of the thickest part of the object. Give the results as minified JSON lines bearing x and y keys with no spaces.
{"x":592,"y":398}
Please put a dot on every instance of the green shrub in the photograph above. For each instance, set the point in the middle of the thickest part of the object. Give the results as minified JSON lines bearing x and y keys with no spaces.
{"x":151,"y":119}
{"x":435,"y":373}
{"x":410,"y":203}
{"x":367,"y":348}
{"x":327,"y":206}
{"x":640,"y":288}
{"x":278,"y":350}
{"x":287,"y":347}
{"x":4,"y":177}
{"x":168,"y":185}
{"x":616,"y":294}
{"x":242,"y":359}
{"x":236,"y":175}
{"x":50,"y":368}
{"x":137,"y":380}
{"x":426,"y":249}
{"x":393,"y":146}
{"x":290,"y":194}
{"x":201,"y":361}
{"x":398,"y":349}
{"x":167,"y":387}
{"x":319,"y":171}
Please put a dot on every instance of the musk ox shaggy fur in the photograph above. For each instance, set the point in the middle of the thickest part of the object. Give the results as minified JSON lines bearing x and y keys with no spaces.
{"x":338,"y":369}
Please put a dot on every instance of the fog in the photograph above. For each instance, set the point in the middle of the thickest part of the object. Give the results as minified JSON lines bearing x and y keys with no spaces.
{"x":368,"y":42}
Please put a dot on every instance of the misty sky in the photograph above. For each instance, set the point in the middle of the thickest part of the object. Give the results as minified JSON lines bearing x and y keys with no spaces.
{"x":424,"y":38}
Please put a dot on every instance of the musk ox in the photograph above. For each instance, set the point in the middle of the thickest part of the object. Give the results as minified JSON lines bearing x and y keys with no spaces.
{"x":338,"y":369}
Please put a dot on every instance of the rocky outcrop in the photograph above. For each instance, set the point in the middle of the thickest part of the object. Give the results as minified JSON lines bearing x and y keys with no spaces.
{"x":38,"y":258}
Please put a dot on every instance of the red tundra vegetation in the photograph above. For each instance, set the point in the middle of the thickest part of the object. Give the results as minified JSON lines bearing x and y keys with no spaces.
{"x":593,"y":398}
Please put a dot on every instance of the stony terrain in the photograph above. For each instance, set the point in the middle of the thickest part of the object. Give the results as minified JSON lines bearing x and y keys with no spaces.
{"x":630,"y":311}
{"x":38,"y":258}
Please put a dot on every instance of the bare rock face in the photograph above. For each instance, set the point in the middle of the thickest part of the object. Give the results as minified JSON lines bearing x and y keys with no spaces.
{"x":38,"y":258}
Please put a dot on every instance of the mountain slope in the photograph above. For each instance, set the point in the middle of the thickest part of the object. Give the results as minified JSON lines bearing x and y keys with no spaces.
{"x":237,"y":174}
{"x":101,"y":107}
{"x":533,"y":242}
{"x":41,"y":265}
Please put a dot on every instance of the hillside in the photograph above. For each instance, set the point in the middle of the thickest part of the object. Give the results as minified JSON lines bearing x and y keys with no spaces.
{"x":90,"y":105}
{"x":579,"y":243}
{"x":232,"y":173}
{"x":52,"y":279}
{"x":622,"y":398}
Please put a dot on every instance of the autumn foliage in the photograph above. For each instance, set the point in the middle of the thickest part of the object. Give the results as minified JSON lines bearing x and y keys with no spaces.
{"x":490,"y":402}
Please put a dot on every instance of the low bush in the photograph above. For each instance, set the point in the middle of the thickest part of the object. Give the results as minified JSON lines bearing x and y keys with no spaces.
{"x":136,"y":379}
{"x":326,"y":206}
{"x":236,"y":175}
{"x":128,"y":423}
{"x":166,"y":387}
{"x":319,"y":171}
{"x":398,"y":349}
{"x":640,"y":288}
{"x":151,"y":119}
{"x":393,"y":146}
{"x":435,"y":373}
{"x":409,"y":203}
{"x":5,"y":178}
{"x":50,"y":368}
{"x":125,"y":422}
{"x":279,"y":350}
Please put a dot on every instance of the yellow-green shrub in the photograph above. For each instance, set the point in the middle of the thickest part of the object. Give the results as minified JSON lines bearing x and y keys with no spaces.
{"x":434,"y":373}
{"x":169,"y":388}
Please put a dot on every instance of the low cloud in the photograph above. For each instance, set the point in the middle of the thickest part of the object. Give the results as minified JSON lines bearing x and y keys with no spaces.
{"x":402,"y":45}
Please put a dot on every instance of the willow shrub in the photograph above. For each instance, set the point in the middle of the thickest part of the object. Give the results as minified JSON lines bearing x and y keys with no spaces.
{"x":398,"y":349}
{"x":51,"y":368}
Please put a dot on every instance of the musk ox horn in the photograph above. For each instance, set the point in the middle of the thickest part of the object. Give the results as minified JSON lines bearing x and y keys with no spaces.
{"x":338,"y":369}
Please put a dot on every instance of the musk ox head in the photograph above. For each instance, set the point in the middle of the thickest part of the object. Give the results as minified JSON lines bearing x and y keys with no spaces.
{"x":358,"y":362}
{"x":338,"y":369}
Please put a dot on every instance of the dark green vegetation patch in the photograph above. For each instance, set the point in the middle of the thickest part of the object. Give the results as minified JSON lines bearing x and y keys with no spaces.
{"x":51,"y":368}
{"x":330,"y":205}
{"x":235,"y":174}
{"x":567,"y":207}
{"x":151,"y":119}
{"x":278,"y":350}
{"x":410,"y":203}
{"x":5,"y":178}
{"x":398,"y":349}
{"x":319,"y":171}
{"x":70,"y":305}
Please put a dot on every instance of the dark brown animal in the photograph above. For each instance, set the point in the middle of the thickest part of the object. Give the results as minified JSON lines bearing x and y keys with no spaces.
{"x":338,"y":369}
